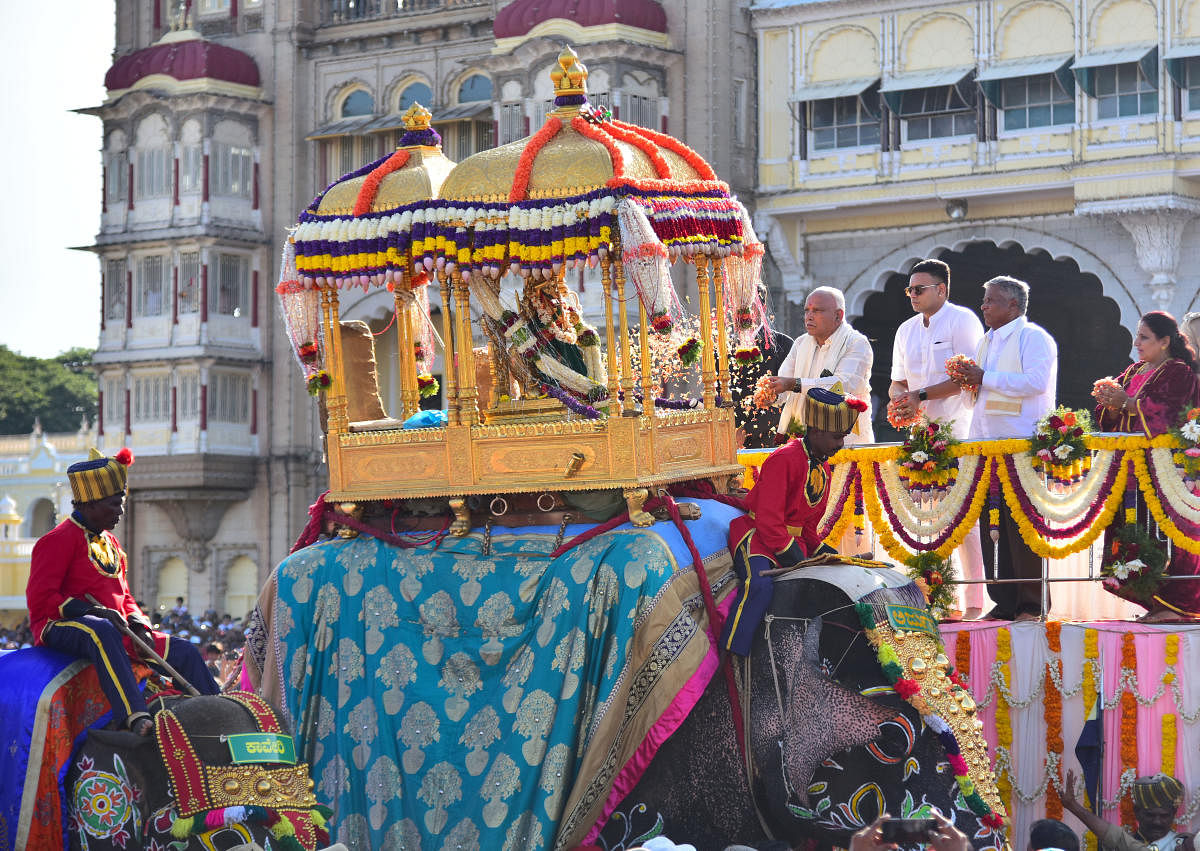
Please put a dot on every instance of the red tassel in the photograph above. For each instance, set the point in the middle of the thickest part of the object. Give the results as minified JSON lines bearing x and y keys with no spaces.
{"x":125,"y":456}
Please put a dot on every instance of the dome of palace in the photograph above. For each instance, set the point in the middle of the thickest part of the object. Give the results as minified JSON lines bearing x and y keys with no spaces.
{"x":519,"y":18}
{"x":183,"y":59}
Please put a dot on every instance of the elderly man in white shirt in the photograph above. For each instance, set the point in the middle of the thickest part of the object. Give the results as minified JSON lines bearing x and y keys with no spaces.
{"x":831,"y":346}
{"x":1016,"y":376}
{"x":922,"y":346}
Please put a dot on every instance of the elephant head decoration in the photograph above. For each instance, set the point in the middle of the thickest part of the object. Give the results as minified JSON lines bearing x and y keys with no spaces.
{"x":847,"y":716}
{"x":219,"y":772}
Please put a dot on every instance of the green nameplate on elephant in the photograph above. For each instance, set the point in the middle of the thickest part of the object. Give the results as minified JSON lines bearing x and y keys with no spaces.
{"x":907,"y":618}
{"x":261,"y":747}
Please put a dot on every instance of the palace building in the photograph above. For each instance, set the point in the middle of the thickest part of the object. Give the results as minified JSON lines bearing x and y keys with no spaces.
{"x":222,"y":120}
{"x":1054,"y":140}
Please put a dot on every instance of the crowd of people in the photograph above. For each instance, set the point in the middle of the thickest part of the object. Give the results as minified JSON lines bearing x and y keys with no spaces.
{"x":1004,"y":385}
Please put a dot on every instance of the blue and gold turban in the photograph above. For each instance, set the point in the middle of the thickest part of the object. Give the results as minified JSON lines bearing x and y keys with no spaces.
{"x":99,"y":476}
{"x":830,"y":410}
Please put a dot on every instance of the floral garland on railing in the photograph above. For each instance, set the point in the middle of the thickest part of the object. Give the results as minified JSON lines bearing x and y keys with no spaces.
{"x":1165,"y":472}
{"x":1004,"y":733}
{"x":1057,"y":445}
{"x":1052,"y":712}
{"x":843,"y":483}
{"x":1076,"y":517}
{"x":1149,"y":492}
{"x":1021,"y":512}
{"x":1034,"y":507}
{"x":922,"y":521}
{"x":1129,"y":747}
{"x":925,"y":460}
{"x":957,"y":529}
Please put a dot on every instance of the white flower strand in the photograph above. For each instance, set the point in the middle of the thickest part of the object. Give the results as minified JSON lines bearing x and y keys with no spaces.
{"x":929,"y":522}
{"x":1077,"y":500}
{"x":1169,"y":480}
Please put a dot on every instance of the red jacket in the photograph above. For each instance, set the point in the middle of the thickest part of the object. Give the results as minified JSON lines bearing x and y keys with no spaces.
{"x":786,"y":506}
{"x":69,"y":563}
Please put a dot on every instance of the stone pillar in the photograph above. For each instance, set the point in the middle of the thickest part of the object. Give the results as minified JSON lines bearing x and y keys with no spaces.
{"x":1156,"y":226}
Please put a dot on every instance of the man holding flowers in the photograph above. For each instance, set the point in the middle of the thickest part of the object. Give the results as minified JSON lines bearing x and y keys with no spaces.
{"x":924,"y":342}
{"x":1015,"y":373}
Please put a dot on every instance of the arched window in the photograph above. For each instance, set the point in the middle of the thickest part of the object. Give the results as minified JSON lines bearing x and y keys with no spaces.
{"x":476,"y":87}
{"x":416,"y":93}
{"x":241,"y":586}
{"x":358,"y":102}
{"x":172,"y":583}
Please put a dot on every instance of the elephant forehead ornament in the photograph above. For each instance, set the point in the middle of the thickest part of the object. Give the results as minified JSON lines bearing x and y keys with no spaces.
{"x":210,"y":795}
{"x":906,"y":641}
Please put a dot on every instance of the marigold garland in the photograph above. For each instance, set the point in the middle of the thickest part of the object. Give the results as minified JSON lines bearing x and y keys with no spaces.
{"x":703,"y":170}
{"x":1004,"y":733}
{"x":888,"y":540}
{"x":1052,"y":709}
{"x":532,"y":148}
{"x":1156,"y":509}
{"x":1170,"y":741}
{"x":585,"y":128}
{"x":370,"y":187}
{"x":1129,"y":749}
{"x":962,"y":654}
{"x":1037,"y":543}
{"x":661,"y":167}
{"x":852,"y":496}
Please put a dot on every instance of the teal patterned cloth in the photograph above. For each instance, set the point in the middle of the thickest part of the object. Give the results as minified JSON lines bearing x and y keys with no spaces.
{"x":448,"y":700}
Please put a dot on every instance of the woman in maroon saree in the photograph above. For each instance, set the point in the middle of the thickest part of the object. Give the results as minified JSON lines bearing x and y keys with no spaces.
{"x":1152,"y":394}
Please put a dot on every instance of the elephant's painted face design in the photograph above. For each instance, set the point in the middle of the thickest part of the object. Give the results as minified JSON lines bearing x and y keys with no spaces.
{"x":105,"y":804}
{"x":820,"y":717}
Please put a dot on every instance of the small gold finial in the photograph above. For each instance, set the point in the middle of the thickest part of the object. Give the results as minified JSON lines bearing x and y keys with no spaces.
{"x":416,"y":117}
{"x":572,"y":79}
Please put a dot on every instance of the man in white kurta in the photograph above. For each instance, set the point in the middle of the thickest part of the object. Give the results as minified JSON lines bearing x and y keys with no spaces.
{"x":830,"y":346}
{"x":922,"y":346}
{"x":1017,"y":374}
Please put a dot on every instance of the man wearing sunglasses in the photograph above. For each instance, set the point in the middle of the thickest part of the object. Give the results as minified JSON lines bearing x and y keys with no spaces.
{"x":923,"y":344}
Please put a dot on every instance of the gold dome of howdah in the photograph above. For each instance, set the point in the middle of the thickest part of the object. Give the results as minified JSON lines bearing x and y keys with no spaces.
{"x":569,"y":163}
{"x":420,"y":179}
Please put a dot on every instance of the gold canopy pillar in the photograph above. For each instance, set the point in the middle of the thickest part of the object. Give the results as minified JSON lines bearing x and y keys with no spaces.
{"x":649,"y":391}
{"x":610,"y":337}
{"x":468,"y":406}
{"x":722,"y":352}
{"x":628,"y":406}
{"x":708,"y":373}
{"x":449,"y":347}
{"x":336,"y":421}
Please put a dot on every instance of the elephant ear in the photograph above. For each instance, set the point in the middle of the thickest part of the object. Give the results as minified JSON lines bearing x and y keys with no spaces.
{"x":121,"y":740}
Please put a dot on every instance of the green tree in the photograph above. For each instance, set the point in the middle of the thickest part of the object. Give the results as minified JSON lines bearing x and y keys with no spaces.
{"x":59,"y":391}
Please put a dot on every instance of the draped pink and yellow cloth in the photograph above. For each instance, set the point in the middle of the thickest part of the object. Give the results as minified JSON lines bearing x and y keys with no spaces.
{"x":1007,"y":668}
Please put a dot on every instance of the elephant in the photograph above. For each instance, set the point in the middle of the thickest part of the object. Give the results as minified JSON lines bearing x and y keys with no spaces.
{"x":484,"y":693}
{"x":122,"y":793}
{"x":831,"y":745}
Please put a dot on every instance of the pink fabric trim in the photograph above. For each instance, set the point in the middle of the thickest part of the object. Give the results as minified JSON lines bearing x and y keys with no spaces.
{"x":663,"y":728}
{"x":244,"y":681}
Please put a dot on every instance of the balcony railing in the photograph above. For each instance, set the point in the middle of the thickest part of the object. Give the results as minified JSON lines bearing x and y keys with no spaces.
{"x":334,"y":12}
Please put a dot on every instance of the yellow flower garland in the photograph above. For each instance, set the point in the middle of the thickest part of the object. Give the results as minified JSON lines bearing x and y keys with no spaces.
{"x":1091,"y":655}
{"x":1164,"y":522}
{"x":890,"y":543}
{"x":1044,"y":548}
{"x":1004,"y":733}
{"x":1170,"y":739}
